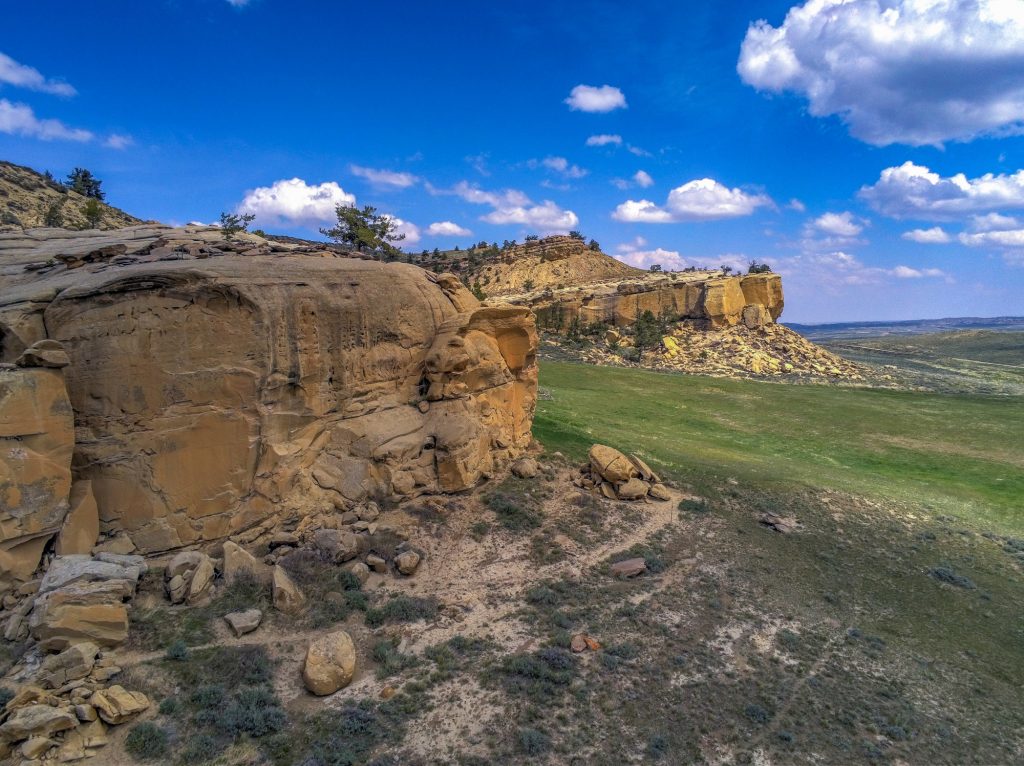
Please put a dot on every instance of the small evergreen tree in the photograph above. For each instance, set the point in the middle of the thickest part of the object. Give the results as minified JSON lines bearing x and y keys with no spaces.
{"x":364,"y":230}
{"x":85,"y":183}
{"x":234,"y":223}
{"x":93,"y":212}
{"x":529,"y":238}
{"x":576,"y":235}
{"x":758,"y":268}
{"x":594,"y":246}
{"x":53,"y":216}
{"x":646,"y":332}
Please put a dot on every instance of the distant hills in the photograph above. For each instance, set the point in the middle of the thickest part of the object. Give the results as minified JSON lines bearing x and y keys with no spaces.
{"x":837,"y":330}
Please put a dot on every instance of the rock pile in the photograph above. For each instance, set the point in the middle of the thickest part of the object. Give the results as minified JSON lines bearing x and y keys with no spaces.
{"x":619,"y":477}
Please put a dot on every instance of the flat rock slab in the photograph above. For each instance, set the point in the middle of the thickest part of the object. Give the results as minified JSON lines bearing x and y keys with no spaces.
{"x":244,"y":622}
{"x":629,"y":568}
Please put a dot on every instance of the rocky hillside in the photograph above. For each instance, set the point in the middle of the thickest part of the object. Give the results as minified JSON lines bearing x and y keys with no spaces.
{"x":26,"y":197}
{"x":550,"y":263}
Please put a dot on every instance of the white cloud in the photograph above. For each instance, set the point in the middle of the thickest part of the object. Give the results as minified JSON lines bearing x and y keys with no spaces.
{"x":636,"y":253}
{"x":410,"y":230}
{"x":588,"y":98}
{"x":906,"y":272}
{"x":914,"y":72}
{"x":797,"y":205}
{"x":994,"y":222}
{"x":643,"y":179}
{"x":914,"y":191}
{"x":559,"y":165}
{"x":238,"y":3}
{"x":513,"y":206}
{"x":118,"y":141}
{"x":700,"y":200}
{"x":547,"y":217}
{"x":604,"y":139}
{"x":22,"y":76}
{"x":296,"y":202}
{"x":638,"y":151}
{"x":20,"y":120}
{"x":447,"y":229}
{"x":933,"y":236}
{"x":384,"y":177}
{"x":837,"y":224}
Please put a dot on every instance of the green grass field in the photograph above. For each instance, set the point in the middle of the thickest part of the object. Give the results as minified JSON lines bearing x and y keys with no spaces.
{"x":957,"y":454}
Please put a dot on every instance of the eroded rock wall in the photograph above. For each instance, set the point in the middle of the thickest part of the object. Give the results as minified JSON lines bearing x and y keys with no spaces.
{"x":209,"y":395}
{"x":719,"y":301}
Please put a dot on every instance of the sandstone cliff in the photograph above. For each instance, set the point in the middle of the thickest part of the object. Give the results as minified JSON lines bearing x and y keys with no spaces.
{"x":215,"y":384}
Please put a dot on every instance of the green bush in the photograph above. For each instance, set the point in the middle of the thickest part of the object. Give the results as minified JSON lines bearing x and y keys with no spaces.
{"x":146,"y":742}
{"x":177,"y":651}
{"x":402,"y":609}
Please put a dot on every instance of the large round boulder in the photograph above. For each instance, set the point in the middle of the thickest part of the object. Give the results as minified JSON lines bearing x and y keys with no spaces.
{"x":330,"y":663}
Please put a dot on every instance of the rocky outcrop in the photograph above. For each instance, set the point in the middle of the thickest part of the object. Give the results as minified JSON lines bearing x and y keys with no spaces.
{"x":709,"y":298}
{"x":215,"y":384}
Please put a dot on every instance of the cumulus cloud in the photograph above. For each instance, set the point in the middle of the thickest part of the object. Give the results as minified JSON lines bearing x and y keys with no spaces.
{"x":604,"y":139}
{"x":559,"y":165}
{"x":841,"y":268}
{"x":914,"y":72}
{"x":118,"y":141}
{"x":386,"y":178}
{"x":588,"y":98}
{"x":837,"y":224}
{"x":410,"y":230}
{"x":447,"y":229}
{"x":20,"y":120}
{"x":643,"y":179}
{"x":293,"y":201}
{"x":513,"y":206}
{"x":933,"y":236}
{"x":700,"y":200}
{"x":914,"y":191}
{"x":22,"y":76}
{"x":906,"y":272}
{"x":638,"y":253}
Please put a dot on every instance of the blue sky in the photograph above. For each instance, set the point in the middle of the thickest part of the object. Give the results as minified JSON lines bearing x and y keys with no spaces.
{"x":868,"y":150}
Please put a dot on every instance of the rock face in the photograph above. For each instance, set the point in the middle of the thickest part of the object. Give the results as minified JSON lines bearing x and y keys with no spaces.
{"x":715,"y":300}
{"x":36,"y":444}
{"x":213,"y":384}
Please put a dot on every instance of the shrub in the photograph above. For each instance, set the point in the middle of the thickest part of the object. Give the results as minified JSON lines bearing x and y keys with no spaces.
{"x":402,"y":609}
{"x":234,"y":223}
{"x":545,"y":673}
{"x":533,"y":741}
{"x":170,"y":706}
{"x":389,"y":660}
{"x":946,"y":574}
{"x":255,"y":711}
{"x":146,"y":742}
{"x":178,"y":651}
{"x":515,"y":509}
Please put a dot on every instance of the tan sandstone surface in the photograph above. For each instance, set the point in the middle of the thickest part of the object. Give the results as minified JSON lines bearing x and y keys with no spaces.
{"x":215,"y":383}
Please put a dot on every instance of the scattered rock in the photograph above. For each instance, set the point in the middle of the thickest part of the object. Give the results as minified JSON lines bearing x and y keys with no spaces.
{"x":36,"y":721}
{"x":660,"y":492}
{"x":244,"y":622}
{"x":288,"y":597}
{"x":238,"y":560}
{"x":201,"y":582}
{"x":377,"y":563}
{"x":526,"y":468}
{"x":34,"y":747}
{"x":629,"y":568}
{"x":330,"y":663}
{"x":634,"y":489}
{"x":407,"y":561}
{"x":578,"y":643}
{"x":360,"y":571}
{"x":783,"y":524}
{"x":337,"y":545}
{"x":116,"y":704}
{"x":611,"y":464}
{"x":73,"y":663}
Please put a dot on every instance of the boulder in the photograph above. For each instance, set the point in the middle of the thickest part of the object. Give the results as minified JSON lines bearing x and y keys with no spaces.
{"x":634,"y":489}
{"x":36,"y":721}
{"x":526,"y":468}
{"x":611,"y":464}
{"x":330,"y":663}
{"x":629,"y":567}
{"x":238,"y":560}
{"x":338,"y":545}
{"x":660,"y":492}
{"x":755,"y":315}
{"x":244,"y":622}
{"x":377,"y":563}
{"x":81,"y":611}
{"x":646,"y":472}
{"x":73,"y":663}
{"x":116,"y":704}
{"x":65,"y":570}
{"x":288,"y":597}
{"x":82,"y":524}
{"x":201,"y":582}
{"x":407,"y":561}
{"x":35,"y":747}
{"x":183,"y":562}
